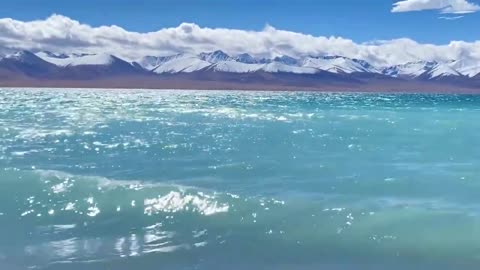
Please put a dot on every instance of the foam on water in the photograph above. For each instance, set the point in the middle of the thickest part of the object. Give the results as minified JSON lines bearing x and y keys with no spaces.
{"x":214,"y":180}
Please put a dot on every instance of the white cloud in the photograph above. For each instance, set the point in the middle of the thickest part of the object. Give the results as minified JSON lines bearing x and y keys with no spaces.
{"x":445,"y":6}
{"x":450,"y":18}
{"x":62,"y":34}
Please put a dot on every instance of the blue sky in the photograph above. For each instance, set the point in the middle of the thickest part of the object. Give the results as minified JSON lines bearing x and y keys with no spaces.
{"x":359,"y":20}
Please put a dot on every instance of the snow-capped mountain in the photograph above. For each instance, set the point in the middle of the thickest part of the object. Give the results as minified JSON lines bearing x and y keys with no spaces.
{"x":25,"y":63}
{"x":442,"y":70}
{"x":180,"y":63}
{"x":248,"y":59}
{"x":235,"y":67}
{"x":466,"y":67}
{"x":219,"y":61}
{"x":276,"y":67}
{"x":422,"y":69}
{"x":25,"y":57}
{"x":151,"y":62}
{"x":286,"y":60}
{"x":339,"y":64}
{"x":65,"y":60}
{"x":245,"y":63}
{"x":214,"y":57}
{"x":243,"y":70}
{"x":410,"y":69}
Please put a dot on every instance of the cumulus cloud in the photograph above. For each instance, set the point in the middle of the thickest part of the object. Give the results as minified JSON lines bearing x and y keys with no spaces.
{"x":62,"y":34}
{"x":445,"y":6}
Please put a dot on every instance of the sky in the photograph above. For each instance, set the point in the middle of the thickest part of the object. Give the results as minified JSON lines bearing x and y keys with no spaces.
{"x":377,"y":30}
{"x":359,"y":20}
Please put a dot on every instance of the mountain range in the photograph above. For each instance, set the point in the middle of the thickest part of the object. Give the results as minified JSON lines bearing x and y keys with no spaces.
{"x":218,"y":70}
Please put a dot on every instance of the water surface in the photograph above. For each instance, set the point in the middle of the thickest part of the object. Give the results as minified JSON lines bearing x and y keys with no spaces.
{"x":127,"y":179}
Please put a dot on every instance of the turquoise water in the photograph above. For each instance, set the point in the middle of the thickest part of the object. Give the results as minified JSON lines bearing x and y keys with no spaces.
{"x":117,"y":179}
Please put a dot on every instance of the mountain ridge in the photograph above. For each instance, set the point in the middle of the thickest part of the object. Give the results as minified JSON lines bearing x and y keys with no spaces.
{"x":218,"y":70}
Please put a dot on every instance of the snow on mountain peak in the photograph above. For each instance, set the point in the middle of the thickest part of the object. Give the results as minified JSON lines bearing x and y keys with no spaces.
{"x":20,"y":55}
{"x":442,"y":70}
{"x":23,"y":56}
{"x":467,"y":67}
{"x":236,"y":67}
{"x":64,"y":60}
{"x":338,"y":64}
{"x":276,"y":66}
{"x":245,"y":63}
{"x":287,"y":60}
{"x":151,"y":62}
{"x":410,"y":69}
{"x":181,"y":63}
{"x":246,"y":59}
{"x":215,"y":57}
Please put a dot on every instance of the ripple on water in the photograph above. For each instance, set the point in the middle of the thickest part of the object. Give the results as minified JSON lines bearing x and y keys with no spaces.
{"x":362,"y":172}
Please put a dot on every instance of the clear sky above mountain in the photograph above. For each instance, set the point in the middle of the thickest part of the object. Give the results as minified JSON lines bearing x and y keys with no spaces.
{"x":426,"y":21}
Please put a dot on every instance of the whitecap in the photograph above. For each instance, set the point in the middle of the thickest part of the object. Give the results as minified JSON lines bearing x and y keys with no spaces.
{"x":175,"y":201}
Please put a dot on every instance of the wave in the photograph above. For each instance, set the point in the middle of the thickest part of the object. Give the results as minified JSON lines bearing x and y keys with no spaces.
{"x":56,"y":218}
{"x":54,"y":192}
{"x":89,"y":219}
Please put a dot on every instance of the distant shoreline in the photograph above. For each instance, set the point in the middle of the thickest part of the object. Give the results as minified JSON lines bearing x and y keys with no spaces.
{"x":193,"y":86}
